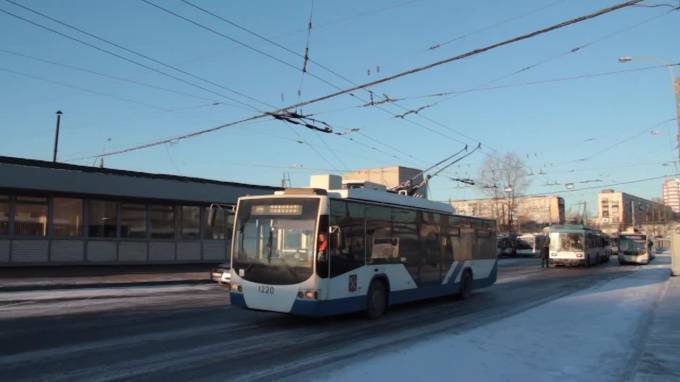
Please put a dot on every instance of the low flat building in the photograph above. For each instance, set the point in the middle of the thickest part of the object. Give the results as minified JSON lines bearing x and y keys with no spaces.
{"x":62,"y":214}
{"x":390,"y":176}
{"x":619,"y":211}
{"x":530,"y":214}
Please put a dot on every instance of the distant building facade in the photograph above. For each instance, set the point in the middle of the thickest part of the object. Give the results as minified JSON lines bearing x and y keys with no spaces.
{"x":618,"y":211}
{"x":531,"y":213}
{"x":671,"y":194}
{"x":390,"y":176}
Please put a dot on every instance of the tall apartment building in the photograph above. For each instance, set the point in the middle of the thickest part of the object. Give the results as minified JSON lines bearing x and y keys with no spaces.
{"x":618,"y":211}
{"x":671,"y":194}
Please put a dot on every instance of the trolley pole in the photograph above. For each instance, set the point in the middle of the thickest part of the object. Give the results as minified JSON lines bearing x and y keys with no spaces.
{"x":56,"y":136}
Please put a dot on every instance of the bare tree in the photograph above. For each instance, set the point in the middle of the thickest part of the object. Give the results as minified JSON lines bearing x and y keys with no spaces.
{"x":504,"y":178}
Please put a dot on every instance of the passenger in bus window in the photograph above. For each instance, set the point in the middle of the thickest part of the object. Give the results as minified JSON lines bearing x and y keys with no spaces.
{"x":323,"y":246}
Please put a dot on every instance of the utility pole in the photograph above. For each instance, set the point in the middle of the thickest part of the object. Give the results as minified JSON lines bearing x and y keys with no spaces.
{"x":632,"y":209}
{"x":585,"y":213}
{"x":56,"y":137}
{"x":676,"y":87}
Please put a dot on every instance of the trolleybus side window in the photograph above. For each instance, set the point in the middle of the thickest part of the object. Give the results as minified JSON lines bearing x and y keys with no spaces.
{"x":347,"y":240}
{"x":451,"y":239}
{"x":382,"y":247}
{"x":405,"y":230}
{"x":467,"y":241}
{"x":430,"y":259}
{"x":486,"y":244}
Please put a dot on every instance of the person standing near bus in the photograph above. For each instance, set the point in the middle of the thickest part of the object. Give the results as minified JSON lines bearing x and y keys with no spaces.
{"x":545,"y":253}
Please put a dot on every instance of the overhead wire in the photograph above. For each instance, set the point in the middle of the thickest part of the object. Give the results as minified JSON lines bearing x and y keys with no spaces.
{"x":306,"y":55}
{"x":235,"y":41}
{"x":535,"y":82}
{"x":622,"y":141}
{"x":576,"y":190}
{"x":567,"y":52}
{"x":541,"y":62}
{"x":493,"y":25}
{"x":397,"y":75}
{"x":85,"y":90}
{"x":303,"y":72}
{"x":608,"y":185}
{"x":104,"y":75}
{"x":136,"y":53}
{"x":369,"y":12}
{"x":465,"y":55}
{"x":286,"y":63}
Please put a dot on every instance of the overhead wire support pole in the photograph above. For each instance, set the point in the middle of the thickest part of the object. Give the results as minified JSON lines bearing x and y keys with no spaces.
{"x":56,"y":137}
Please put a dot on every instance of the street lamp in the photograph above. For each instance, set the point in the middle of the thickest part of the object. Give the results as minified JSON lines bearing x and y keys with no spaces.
{"x":56,"y":137}
{"x":508,"y":189}
{"x":675,"y":81}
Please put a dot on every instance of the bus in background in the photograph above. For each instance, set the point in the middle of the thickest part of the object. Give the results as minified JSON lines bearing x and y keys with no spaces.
{"x":506,"y":245}
{"x":530,"y":244}
{"x":318,"y":252}
{"x":577,"y":245}
{"x":635,"y":248}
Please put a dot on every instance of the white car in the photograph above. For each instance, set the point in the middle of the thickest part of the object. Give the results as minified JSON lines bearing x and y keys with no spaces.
{"x":225,"y":279}
{"x":221,"y":274}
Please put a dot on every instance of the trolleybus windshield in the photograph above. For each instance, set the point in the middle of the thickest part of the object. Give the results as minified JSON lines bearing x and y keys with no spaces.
{"x":274,"y":240}
{"x":632,"y":243}
{"x":566,"y":241}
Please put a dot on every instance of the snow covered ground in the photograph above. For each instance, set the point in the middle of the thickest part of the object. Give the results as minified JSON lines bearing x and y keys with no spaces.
{"x":592,"y":335}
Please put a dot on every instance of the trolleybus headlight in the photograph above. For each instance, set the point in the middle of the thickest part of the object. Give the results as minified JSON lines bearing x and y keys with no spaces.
{"x":309,"y":294}
{"x":236,"y":288}
{"x":579,"y":255}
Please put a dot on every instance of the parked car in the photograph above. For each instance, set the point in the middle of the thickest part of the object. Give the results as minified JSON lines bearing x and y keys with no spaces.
{"x":221,"y":273}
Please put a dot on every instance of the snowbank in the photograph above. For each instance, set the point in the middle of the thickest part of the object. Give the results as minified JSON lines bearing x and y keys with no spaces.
{"x":587,"y":336}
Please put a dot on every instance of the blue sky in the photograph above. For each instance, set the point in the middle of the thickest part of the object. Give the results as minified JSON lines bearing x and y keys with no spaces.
{"x":551,"y":124}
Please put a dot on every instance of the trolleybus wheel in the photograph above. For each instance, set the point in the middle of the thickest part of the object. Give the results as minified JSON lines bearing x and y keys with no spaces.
{"x":376,"y":300}
{"x":466,"y":285}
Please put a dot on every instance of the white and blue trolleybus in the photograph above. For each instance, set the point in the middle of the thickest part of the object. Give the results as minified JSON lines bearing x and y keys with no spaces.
{"x":318,"y":252}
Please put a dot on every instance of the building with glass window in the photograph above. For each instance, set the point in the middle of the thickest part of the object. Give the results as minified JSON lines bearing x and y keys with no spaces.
{"x":618,"y":211}
{"x":671,"y":194}
{"x":391,"y":176}
{"x":62,"y":214}
{"x":530,"y":214}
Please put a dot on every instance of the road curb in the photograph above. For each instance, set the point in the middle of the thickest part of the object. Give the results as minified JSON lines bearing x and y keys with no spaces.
{"x":70,"y":286}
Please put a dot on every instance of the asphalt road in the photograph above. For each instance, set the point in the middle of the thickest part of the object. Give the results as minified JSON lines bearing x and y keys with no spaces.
{"x":192,"y":333}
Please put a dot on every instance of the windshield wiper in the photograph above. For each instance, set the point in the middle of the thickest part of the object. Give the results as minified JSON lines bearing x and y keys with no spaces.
{"x":270,"y":245}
